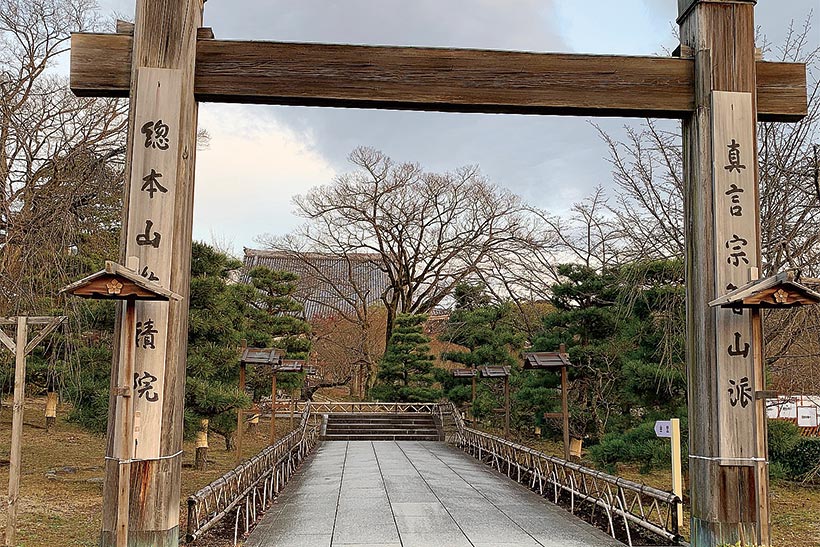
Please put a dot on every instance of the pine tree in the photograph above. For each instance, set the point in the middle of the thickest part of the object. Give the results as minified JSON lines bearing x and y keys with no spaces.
{"x":215,"y":329}
{"x":275,"y":321}
{"x":491,"y":337}
{"x":406,"y":370}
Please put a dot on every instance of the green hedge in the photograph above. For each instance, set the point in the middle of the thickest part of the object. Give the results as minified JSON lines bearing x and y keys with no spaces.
{"x":791,"y":456}
{"x":639,"y":445}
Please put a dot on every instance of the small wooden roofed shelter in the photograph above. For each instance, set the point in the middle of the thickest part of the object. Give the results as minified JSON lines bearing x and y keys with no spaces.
{"x":287,"y":365}
{"x":290,"y":365}
{"x":271,"y":357}
{"x":554,"y":360}
{"x":274,"y":358}
{"x":117,"y":282}
{"x":262,"y":356}
{"x":783,"y":290}
{"x":488,"y":371}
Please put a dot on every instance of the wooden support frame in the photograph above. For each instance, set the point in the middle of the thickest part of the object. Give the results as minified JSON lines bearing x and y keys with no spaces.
{"x":21,"y":347}
{"x":435,"y":79}
{"x":559,"y":360}
{"x":717,"y":56}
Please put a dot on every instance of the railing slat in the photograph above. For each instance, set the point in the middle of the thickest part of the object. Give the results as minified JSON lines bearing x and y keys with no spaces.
{"x":580,"y":483}
{"x":215,"y":501}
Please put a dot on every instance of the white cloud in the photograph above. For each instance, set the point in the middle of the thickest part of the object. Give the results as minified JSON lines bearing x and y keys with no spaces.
{"x":246,"y":178}
{"x":261,"y":156}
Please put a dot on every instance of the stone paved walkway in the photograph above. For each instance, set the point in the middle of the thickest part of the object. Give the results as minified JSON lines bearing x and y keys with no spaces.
{"x":413,"y":494}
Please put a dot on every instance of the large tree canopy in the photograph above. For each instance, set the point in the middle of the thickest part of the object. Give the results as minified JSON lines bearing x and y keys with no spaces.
{"x":432,"y":230}
{"x":60,"y":156}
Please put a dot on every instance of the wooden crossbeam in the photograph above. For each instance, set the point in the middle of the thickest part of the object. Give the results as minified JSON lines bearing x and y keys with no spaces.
{"x":8,"y":342}
{"x":48,"y":329}
{"x":32,"y":320}
{"x":435,"y":79}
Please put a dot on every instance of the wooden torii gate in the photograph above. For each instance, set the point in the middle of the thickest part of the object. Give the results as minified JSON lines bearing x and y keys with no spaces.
{"x":166,"y":63}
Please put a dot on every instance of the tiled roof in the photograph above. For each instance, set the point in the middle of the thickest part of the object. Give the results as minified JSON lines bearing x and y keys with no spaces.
{"x":328,"y":284}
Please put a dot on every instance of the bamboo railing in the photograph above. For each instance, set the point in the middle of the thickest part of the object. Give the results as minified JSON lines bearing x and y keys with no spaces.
{"x":636,"y":505}
{"x":343,"y":407}
{"x":250,"y":487}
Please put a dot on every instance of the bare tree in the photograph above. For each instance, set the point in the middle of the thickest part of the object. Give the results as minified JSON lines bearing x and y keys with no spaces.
{"x":60,"y":156}
{"x":431,"y":231}
{"x":347,"y":351}
{"x":648,"y":208}
{"x":648,"y":175}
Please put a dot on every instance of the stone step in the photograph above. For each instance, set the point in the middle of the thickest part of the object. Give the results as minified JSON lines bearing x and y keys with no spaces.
{"x":428,"y":431}
{"x":380,"y":427}
{"x":376,"y":437}
{"x":367,"y":427}
{"x":377,"y":417}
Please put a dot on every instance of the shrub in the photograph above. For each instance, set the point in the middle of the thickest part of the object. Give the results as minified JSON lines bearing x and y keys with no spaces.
{"x":638,"y":445}
{"x":792,"y":457}
{"x":804,"y":458}
{"x":783,"y":438}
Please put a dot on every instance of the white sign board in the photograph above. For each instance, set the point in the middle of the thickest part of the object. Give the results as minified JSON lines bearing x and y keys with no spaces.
{"x":149,"y":232}
{"x":806,"y":416}
{"x":735,"y":195}
{"x":772,"y":409}
{"x":788,"y":410}
{"x":663,"y":429}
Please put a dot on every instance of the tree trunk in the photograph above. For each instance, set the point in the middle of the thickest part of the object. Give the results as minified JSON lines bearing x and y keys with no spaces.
{"x":230,"y":441}
{"x":201,"y":460}
{"x":392,"y":308}
{"x":51,"y":410}
{"x":253,"y":425}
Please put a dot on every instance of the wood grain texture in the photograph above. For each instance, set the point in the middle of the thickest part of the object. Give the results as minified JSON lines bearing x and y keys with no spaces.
{"x":16,"y":449}
{"x":436,"y":79}
{"x":164,"y":38}
{"x":736,"y":221}
{"x":728,"y":502}
{"x":685,"y":5}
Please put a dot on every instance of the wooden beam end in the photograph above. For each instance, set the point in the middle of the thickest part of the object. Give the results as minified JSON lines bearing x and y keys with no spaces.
{"x":125,"y":27}
{"x":204,"y":33}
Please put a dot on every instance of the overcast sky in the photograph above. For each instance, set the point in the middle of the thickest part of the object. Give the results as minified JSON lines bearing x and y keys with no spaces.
{"x":261,"y":156}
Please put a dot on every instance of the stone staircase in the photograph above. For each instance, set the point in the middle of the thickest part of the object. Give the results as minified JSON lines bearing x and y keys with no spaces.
{"x":381,"y":427}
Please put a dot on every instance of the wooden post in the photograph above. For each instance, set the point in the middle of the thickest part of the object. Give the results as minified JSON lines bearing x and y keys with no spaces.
{"x":21,"y":347}
{"x":565,"y":411}
{"x":472,"y":396}
{"x":15,"y":454}
{"x":240,"y":434}
{"x":677,"y":471}
{"x":292,"y":408}
{"x":125,"y":411}
{"x":201,"y":458}
{"x":157,"y":225}
{"x":728,"y":473}
{"x":506,"y":406}
{"x":51,"y":405}
{"x":273,"y":409}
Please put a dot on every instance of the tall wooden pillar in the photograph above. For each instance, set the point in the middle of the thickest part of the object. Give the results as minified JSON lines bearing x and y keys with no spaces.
{"x":16,"y":451}
{"x":157,"y":225}
{"x":729,"y":476}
